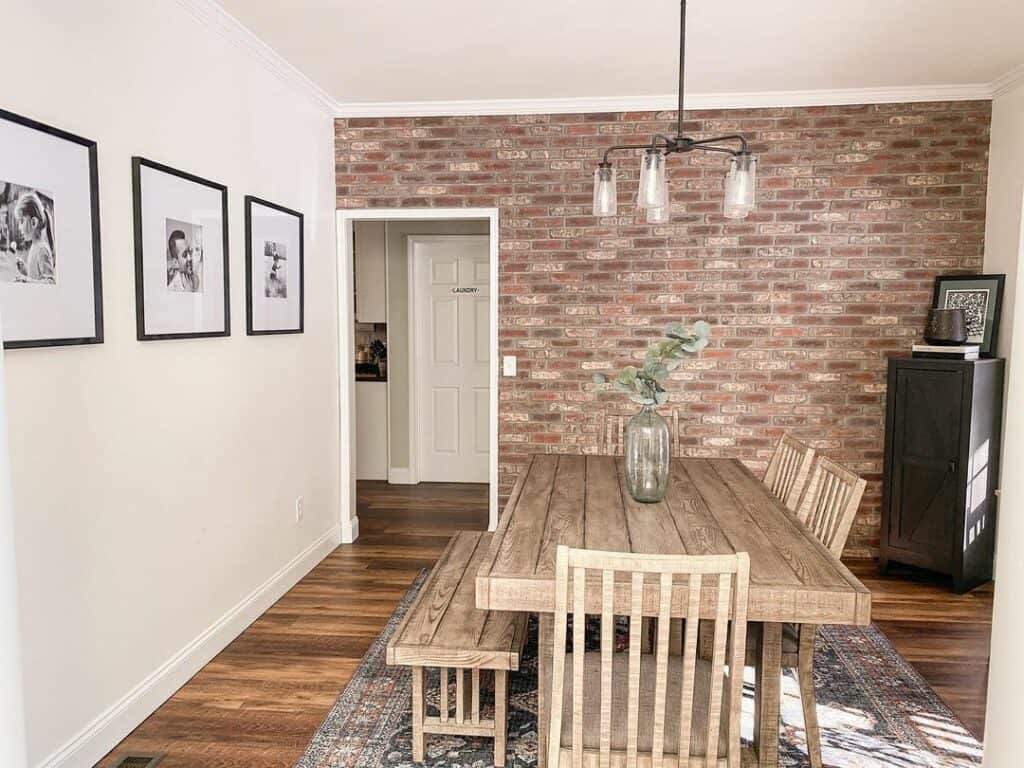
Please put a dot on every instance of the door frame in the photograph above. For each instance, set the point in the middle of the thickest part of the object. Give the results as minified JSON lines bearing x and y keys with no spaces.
{"x":414,"y":351}
{"x":346,"y":219}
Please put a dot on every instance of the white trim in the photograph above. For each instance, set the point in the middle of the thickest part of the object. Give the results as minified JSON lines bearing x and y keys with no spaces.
{"x":413,"y":445}
{"x":346,"y":339}
{"x":400,"y":476}
{"x":90,"y":744}
{"x":1008,"y":81}
{"x":213,"y":16}
{"x":661,"y":102}
{"x":350,"y":530}
{"x":416,"y":350}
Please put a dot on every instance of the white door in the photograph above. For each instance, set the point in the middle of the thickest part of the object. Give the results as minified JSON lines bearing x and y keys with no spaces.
{"x":451,"y":343}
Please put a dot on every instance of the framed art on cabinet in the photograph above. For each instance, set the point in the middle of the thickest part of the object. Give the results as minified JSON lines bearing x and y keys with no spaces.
{"x":181,"y":254}
{"x":50,"y":283}
{"x":981,"y":299}
{"x":274,"y":280}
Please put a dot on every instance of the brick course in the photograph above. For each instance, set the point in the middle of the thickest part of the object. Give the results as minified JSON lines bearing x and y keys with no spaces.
{"x":859,"y":207}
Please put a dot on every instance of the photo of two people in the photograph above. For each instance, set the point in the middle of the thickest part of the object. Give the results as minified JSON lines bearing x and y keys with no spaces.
{"x":184,"y":256}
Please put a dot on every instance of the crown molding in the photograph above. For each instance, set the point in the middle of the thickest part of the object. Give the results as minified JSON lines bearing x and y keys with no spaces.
{"x":213,"y":16}
{"x":655,"y":103}
{"x":1008,"y":82}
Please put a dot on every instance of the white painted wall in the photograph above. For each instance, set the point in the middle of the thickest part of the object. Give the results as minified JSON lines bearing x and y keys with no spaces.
{"x":1004,"y":252}
{"x":154,"y":483}
{"x":12,"y":707}
{"x":1003,"y":203}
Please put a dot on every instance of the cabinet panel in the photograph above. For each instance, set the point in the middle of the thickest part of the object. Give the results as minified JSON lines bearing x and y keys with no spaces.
{"x":926,"y":445}
{"x":370,"y":272}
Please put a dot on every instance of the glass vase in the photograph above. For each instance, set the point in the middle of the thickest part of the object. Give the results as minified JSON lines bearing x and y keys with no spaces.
{"x":648,"y":455}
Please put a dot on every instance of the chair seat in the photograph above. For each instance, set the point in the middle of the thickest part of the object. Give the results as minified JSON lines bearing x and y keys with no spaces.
{"x":620,"y":693}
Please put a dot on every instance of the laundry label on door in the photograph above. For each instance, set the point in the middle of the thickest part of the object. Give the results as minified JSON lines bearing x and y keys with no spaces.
{"x":465,"y":290}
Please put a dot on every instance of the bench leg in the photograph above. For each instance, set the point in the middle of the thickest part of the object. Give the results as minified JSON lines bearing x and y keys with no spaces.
{"x":500,"y":716}
{"x":417,"y":714}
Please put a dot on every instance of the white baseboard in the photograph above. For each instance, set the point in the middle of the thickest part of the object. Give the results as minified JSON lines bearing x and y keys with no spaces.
{"x":350,"y":530}
{"x":400,"y":476}
{"x":104,"y":733}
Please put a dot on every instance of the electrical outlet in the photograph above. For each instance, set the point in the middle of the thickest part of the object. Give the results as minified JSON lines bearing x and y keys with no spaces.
{"x":300,"y":509}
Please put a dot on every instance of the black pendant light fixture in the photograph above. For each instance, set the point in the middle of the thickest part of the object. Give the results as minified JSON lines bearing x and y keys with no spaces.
{"x":652,"y":196}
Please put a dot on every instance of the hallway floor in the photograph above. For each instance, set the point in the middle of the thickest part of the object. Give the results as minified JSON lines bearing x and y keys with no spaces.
{"x":257,"y":704}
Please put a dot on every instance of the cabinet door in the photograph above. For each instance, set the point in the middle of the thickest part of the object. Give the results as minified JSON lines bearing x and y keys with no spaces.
{"x":925,"y":468}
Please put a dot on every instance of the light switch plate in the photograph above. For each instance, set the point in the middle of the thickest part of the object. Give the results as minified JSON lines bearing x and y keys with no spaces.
{"x":508,"y":365}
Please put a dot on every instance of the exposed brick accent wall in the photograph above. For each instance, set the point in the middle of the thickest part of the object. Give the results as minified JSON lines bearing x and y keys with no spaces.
{"x":859,"y":208}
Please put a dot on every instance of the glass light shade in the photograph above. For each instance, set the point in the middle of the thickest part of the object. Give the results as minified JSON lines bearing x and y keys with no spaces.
{"x":658,"y":215}
{"x":653,"y":192}
{"x":605,"y":199}
{"x":740,"y":187}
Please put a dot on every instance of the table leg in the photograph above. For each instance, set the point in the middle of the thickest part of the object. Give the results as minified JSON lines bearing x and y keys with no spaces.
{"x":767,"y":695}
{"x":545,"y":651}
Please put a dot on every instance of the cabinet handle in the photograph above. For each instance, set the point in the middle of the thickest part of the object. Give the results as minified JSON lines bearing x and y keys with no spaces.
{"x":952,"y":466}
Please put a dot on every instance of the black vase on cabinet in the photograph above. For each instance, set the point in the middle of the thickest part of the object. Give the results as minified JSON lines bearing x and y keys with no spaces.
{"x":942,"y":442}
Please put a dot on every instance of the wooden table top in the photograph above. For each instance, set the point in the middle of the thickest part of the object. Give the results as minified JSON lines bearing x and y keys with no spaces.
{"x":713,"y":506}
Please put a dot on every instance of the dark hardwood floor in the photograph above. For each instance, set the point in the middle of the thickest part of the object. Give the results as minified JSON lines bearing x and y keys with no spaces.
{"x":257,"y":704}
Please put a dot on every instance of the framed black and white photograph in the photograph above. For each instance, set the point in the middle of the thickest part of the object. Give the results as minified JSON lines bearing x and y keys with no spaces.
{"x":50,"y":284}
{"x":273,"y":268}
{"x":181,"y":254}
{"x":981,"y":298}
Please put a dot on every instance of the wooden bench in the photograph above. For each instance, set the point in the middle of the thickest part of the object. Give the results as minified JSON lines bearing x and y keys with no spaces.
{"x":443,"y":628}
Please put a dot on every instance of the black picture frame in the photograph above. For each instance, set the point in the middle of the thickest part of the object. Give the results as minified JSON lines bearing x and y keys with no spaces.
{"x":995,"y":284}
{"x":249,"y":271}
{"x":94,"y":203}
{"x":138,"y":163}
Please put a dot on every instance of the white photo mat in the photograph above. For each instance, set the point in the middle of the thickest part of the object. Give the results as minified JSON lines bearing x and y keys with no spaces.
{"x":167,"y":202}
{"x":58,"y":170}
{"x":275,"y":293}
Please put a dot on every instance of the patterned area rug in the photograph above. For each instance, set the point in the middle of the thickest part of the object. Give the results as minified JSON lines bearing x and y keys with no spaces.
{"x":875,"y":711}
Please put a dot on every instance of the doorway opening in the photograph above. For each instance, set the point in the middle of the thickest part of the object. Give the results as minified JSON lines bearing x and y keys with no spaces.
{"x":418,"y":354}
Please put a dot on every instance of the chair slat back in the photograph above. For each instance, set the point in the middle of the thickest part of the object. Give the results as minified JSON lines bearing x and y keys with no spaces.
{"x":788,"y":470}
{"x":707,"y":587}
{"x":613,"y":430}
{"x":829,"y":505}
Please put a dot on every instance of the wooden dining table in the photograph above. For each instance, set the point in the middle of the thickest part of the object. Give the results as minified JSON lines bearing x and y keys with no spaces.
{"x":712,"y":506}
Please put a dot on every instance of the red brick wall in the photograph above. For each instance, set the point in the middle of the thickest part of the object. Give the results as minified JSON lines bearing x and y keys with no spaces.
{"x":859,"y":208}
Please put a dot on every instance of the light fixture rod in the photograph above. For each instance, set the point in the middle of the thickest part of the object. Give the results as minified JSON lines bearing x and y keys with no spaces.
{"x":682,"y":60}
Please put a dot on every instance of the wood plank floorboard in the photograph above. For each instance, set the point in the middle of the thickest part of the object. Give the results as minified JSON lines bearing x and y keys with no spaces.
{"x":257,"y":704}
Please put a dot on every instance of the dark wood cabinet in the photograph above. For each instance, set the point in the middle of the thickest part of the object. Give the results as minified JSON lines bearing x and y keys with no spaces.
{"x":942,"y":442}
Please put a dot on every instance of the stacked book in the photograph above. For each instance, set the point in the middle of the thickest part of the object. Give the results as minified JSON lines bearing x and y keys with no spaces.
{"x":939,"y":352}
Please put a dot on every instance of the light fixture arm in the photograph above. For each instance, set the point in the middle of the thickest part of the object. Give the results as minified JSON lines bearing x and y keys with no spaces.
{"x":740,"y":181}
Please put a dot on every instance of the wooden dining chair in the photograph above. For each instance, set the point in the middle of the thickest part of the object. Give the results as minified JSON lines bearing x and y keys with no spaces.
{"x":613,"y":710}
{"x":788,"y":470}
{"x":828,"y":508}
{"x":613,"y":428}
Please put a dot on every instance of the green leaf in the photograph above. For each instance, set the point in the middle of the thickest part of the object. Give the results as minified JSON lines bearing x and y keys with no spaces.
{"x":702,"y":328}
{"x":661,"y":397}
{"x":599,"y":378}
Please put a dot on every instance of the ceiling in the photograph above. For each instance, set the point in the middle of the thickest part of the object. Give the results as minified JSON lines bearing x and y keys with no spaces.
{"x":361,"y":51}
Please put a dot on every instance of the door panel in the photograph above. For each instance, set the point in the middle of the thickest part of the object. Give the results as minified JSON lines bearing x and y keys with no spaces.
{"x":444,"y":330}
{"x":451,"y":338}
{"x":926,"y":446}
{"x":446,"y":411}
